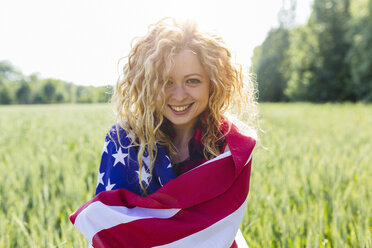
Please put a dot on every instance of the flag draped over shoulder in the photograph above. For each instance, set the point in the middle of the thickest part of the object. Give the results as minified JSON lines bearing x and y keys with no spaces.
{"x":201,"y":208}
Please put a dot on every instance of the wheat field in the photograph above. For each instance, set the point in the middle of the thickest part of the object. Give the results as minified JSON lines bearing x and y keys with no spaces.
{"x":310,"y":187}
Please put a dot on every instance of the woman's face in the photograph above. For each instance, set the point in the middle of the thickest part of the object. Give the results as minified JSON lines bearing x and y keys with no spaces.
{"x":187,"y":91}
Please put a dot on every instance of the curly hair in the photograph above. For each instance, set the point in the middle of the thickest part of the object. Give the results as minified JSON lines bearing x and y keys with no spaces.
{"x":139,"y":96}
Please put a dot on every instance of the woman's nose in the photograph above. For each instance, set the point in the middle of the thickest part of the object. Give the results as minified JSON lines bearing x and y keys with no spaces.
{"x":179,"y":92}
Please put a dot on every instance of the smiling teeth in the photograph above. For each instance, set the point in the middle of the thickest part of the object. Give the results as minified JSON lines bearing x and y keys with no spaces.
{"x":179,"y":109}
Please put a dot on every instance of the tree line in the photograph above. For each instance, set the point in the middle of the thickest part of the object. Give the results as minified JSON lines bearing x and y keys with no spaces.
{"x":329,"y":59}
{"x":16,"y":88}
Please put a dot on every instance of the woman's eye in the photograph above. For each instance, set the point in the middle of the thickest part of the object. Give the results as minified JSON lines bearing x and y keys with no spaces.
{"x":193,"y":81}
{"x":168,"y":84}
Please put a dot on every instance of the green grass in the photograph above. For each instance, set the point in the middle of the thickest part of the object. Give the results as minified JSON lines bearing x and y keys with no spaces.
{"x":311,"y":179}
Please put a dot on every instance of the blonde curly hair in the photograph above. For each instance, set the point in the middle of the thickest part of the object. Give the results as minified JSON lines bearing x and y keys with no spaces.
{"x":139,"y":96}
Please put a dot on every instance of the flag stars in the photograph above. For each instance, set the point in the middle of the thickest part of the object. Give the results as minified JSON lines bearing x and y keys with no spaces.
{"x":160,"y":181}
{"x":104,"y":150}
{"x":146,"y":160}
{"x":119,"y":157}
{"x":145,"y":176}
{"x":169,"y":165}
{"x":100,"y":178}
{"x":130,"y":134}
{"x":109,"y":185}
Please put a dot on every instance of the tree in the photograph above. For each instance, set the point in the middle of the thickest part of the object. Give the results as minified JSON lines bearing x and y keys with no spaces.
{"x":287,"y":13}
{"x":5,"y":97}
{"x":23,"y":94}
{"x":302,"y":61}
{"x":318,"y":69}
{"x":257,"y":53}
{"x":60,"y":97}
{"x":331,"y":74}
{"x":271,"y":81}
{"x":104,"y":93}
{"x":360,"y":54}
{"x":84,"y":95}
{"x":70,"y":90}
{"x":8,"y":72}
{"x":17,"y":88}
{"x":49,"y":91}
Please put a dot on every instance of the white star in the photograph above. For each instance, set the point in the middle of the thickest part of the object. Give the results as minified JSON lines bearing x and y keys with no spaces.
{"x":100,"y":178}
{"x":146,"y":160}
{"x":144,"y":175}
{"x":160,"y":182}
{"x":129,"y":134}
{"x":119,"y":157}
{"x":109,"y":185}
{"x":105,"y":147}
{"x":169,"y":165}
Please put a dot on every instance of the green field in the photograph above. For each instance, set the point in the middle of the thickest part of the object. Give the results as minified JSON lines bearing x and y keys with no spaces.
{"x":311,"y":180}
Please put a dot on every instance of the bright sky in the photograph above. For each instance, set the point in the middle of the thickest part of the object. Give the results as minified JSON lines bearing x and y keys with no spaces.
{"x":81,"y":41}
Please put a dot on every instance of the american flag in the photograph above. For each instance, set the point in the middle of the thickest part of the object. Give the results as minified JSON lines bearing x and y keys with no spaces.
{"x":119,"y":166}
{"x":201,"y":208}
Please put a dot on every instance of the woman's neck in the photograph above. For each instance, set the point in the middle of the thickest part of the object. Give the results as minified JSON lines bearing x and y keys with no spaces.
{"x":183,"y":136}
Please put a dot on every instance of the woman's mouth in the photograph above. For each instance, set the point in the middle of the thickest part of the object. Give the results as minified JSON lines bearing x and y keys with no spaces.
{"x":180,"y":109}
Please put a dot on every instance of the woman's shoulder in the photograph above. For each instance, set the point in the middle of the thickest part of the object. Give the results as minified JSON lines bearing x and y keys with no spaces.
{"x":118,"y":135}
{"x":238,"y":127}
{"x":240,"y":140}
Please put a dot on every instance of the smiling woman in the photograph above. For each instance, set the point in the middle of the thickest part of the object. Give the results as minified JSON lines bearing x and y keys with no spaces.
{"x":186,"y":97}
{"x":175,"y":170}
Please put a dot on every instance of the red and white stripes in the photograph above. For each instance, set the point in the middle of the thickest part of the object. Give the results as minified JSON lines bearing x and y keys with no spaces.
{"x":201,"y":208}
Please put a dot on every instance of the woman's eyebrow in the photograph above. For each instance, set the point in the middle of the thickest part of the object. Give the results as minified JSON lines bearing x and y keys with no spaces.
{"x":192,"y":74}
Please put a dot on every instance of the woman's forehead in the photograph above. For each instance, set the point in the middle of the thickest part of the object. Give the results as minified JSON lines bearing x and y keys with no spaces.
{"x":186,"y":62}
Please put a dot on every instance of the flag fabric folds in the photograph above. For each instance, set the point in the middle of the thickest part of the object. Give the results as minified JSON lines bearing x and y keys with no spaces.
{"x":201,"y":208}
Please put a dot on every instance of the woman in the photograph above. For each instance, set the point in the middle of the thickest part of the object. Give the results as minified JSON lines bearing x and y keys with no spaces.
{"x":172,"y":149}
